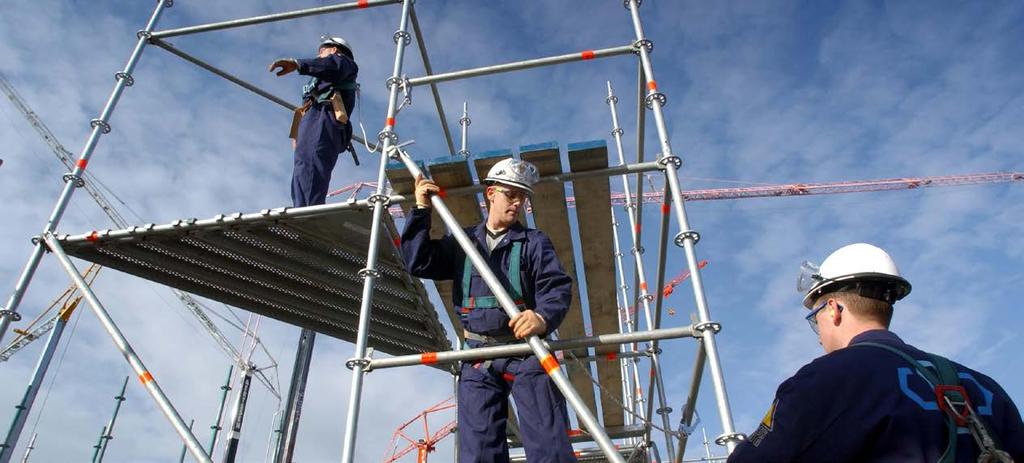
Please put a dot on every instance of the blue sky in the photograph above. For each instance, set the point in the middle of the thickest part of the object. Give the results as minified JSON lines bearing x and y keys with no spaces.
{"x":758,"y":92}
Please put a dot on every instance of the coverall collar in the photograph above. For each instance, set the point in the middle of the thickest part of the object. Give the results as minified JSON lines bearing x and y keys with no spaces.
{"x":515,"y":232}
{"x":884,"y":336}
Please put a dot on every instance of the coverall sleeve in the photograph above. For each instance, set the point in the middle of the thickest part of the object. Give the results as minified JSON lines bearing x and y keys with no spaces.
{"x":796,"y":419}
{"x":424,"y":257}
{"x":334,"y":68}
{"x":553,"y":286}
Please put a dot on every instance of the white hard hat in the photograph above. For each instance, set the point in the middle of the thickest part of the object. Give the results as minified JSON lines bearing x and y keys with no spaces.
{"x":337,"y":41}
{"x":860,"y":267}
{"x":513,"y":172}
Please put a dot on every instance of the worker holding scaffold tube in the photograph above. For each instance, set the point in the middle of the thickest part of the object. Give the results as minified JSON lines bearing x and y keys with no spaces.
{"x":873,"y":397}
{"x":320,"y":128}
{"x":525,"y":261}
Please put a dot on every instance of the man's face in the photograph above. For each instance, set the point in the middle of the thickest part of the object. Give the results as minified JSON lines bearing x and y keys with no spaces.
{"x":828,"y":330}
{"x":506,"y":203}
{"x":328,"y":50}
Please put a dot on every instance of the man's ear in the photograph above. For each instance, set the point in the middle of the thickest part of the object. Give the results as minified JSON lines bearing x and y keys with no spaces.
{"x":834,"y":314}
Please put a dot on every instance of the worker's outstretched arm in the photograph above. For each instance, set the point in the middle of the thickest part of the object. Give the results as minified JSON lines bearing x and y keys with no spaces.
{"x":334,"y":68}
{"x":424,"y":257}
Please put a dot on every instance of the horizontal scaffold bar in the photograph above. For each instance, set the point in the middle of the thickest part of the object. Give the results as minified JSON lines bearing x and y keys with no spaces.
{"x":519,"y":65}
{"x":511,"y":350}
{"x":272,"y":17}
{"x":588,"y":455}
{"x":222,"y":220}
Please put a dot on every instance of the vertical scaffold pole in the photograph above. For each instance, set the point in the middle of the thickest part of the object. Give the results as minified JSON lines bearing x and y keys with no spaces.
{"x":641,"y":276}
{"x":686,"y":238}
{"x":23,"y":409}
{"x":30,"y":448}
{"x":296,"y":395}
{"x":388,"y":137}
{"x":145,"y":377}
{"x":464,"y":122}
{"x":216,"y":427}
{"x":548,"y":361}
{"x":74,"y":179}
{"x":109,"y":430}
{"x":630,"y":390}
{"x":99,"y":443}
{"x":238,"y":414}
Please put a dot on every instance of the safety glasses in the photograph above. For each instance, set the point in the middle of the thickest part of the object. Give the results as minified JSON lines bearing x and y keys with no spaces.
{"x":812,"y":318}
{"x":810,"y":275}
{"x":513,"y":195}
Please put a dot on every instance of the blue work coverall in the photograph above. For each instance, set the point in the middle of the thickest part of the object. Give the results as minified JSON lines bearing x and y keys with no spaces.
{"x":484,"y":387}
{"x":321,"y":137}
{"x":866,"y":404}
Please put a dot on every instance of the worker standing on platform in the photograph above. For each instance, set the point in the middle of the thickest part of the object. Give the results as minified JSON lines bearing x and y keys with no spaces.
{"x":873,"y":397}
{"x":524,"y":260}
{"x":321,"y":128}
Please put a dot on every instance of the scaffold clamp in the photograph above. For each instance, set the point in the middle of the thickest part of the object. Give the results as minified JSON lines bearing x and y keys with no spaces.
{"x":731,"y":437}
{"x":638,"y":250}
{"x":126,"y":77}
{"x":645,"y":44}
{"x":625,"y":3}
{"x":369,"y":272}
{"x":14,"y":316}
{"x":78,"y":181}
{"x":664,"y":410}
{"x":384,"y":200}
{"x":466,"y":121}
{"x":676,"y":161}
{"x":404,"y":36}
{"x":362,"y":363}
{"x":681,"y":238}
{"x":660,"y":97}
{"x":100,"y":123}
{"x":144,"y":35}
{"x":618,"y":131}
{"x":700,"y":328}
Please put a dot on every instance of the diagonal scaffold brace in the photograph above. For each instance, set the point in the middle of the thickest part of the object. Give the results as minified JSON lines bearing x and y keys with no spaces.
{"x":547,"y":360}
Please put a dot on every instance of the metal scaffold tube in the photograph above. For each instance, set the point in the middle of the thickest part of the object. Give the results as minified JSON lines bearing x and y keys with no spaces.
{"x":550,"y":364}
{"x":296,"y":395}
{"x":30,"y":448}
{"x":216,"y":427}
{"x":422,"y":45}
{"x":388,"y":138}
{"x":520,"y":65}
{"x":271,"y":18}
{"x":128,"y":352}
{"x":464,"y":123}
{"x":511,"y":350}
{"x":238,"y":414}
{"x":686,"y":237}
{"x":23,"y":408}
{"x":74,"y":179}
{"x":632,"y":393}
{"x":645,"y":297}
{"x":691,"y":400}
{"x":108,"y":430}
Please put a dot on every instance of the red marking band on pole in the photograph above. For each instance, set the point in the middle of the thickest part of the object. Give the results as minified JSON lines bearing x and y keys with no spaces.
{"x":443,"y":194}
{"x":643,"y":286}
{"x":651,"y":85}
{"x":145,"y":377}
{"x":575,"y":432}
{"x":550,"y":364}
{"x":364,"y":3}
{"x":587,"y":54}
{"x":665,"y":209}
{"x":612,"y":356}
{"x":82,"y":163}
{"x":637,"y":228}
{"x":428,"y":358}
{"x":93,"y":237}
{"x":398,"y":242}
{"x":390,"y":122}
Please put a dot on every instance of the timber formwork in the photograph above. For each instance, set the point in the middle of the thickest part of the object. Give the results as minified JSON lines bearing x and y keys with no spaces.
{"x":274,"y":262}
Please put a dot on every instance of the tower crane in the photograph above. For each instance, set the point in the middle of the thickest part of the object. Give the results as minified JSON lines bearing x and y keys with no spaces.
{"x":429,"y":441}
{"x":90,"y":183}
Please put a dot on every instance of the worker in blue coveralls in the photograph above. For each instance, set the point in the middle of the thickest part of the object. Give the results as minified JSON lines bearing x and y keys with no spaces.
{"x":873,"y":397}
{"x":321,"y":129}
{"x":524,"y":260}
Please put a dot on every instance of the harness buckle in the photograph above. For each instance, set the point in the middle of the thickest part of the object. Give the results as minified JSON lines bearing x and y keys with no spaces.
{"x":950,"y":398}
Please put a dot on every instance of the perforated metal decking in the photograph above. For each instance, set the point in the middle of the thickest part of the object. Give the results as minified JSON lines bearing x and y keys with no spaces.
{"x":287,"y":264}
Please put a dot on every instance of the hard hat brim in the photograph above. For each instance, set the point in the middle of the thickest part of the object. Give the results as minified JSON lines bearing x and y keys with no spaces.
{"x":901,"y":286}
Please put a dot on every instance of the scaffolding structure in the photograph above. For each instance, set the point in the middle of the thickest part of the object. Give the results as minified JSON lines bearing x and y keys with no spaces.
{"x":322,"y":282}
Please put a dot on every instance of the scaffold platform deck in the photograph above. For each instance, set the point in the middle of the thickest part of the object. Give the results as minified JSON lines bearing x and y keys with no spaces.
{"x":287,"y":264}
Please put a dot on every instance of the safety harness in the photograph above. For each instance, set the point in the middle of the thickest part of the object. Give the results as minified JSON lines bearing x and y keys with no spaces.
{"x":952,"y":399}
{"x":470,"y":303}
{"x":310,"y":95}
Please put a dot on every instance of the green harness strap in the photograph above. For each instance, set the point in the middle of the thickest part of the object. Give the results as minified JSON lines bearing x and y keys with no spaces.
{"x":469,"y":302}
{"x":310,"y":89}
{"x":944,"y":375}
